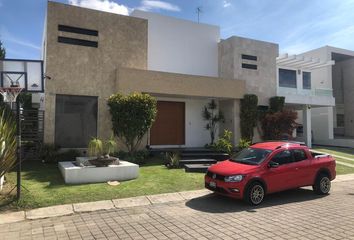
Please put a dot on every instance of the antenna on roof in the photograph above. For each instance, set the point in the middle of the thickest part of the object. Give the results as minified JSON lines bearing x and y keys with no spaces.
{"x":199,"y":11}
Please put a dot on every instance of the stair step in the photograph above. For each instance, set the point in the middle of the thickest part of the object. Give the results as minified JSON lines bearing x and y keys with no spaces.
{"x":197,"y":161}
{"x":199,"y":168}
{"x":213,"y":155}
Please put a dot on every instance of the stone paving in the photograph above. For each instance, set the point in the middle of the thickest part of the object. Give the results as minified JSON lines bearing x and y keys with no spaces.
{"x":295,"y":214}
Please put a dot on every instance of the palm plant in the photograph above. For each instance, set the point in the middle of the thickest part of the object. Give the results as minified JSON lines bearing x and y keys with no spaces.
{"x":95,"y":147}
{"x":110,"y":146}
{"x":8,"y":143}
{"x":213,"y":117}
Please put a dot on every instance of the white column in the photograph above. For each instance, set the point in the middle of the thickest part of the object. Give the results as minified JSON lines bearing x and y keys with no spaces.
{"x":307,"y":124}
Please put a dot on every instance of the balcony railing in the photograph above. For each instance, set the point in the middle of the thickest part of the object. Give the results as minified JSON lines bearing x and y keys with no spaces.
{"x":305,"y":92}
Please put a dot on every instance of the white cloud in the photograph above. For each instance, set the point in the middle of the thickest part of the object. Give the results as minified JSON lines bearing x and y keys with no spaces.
{"x":7,"y":36}
{"x":226,"y":4}
{"x":103,"y":5}
{"x":148,"y":5}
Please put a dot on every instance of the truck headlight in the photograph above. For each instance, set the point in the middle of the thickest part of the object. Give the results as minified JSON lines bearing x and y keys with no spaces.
{"x":234,"y":178}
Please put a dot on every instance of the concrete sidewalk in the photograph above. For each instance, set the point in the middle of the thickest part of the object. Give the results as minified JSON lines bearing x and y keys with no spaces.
{"x":69,"y":209}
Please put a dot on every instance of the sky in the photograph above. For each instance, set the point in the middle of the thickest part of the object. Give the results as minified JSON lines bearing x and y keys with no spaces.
{"x":296,"y":25}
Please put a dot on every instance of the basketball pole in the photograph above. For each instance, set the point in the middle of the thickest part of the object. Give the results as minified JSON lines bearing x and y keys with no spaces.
{"x":18,"y":152}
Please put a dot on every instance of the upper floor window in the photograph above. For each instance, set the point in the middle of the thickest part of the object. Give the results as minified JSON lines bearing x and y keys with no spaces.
{"x":249,"y":66}
{"x":306,"y":80}
{"x":249,"y":57}
{"x":287,"y":78}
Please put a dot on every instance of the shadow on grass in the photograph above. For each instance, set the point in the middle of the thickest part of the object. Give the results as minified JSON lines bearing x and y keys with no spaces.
{"x":214,"y":203}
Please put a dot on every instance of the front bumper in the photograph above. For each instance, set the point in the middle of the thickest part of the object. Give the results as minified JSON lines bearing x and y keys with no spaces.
{"x":230,"y":189}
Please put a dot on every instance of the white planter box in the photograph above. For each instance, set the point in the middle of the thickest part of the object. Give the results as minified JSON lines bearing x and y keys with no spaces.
{"x":75,"y":175}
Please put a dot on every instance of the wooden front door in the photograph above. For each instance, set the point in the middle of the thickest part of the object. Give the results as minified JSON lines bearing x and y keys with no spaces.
{"x":169,"y":126}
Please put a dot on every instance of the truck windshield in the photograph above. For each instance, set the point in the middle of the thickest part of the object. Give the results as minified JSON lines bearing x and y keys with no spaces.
{"x":251,"y":156}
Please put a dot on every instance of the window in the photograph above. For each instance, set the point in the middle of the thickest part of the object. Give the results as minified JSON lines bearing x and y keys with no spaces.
{"x":306,"y":80}
{"x":65,"y":28}
{"x":249,"y":66}
{"x":75,"y":120}
{"x":340,"y":120}
{"x":251,"y":156}
{"x":283,"y":157}
{"x":287,"y":78}
{"x":249,"y":57}
{"x":299,"y":155}
{"x":75,"y":41}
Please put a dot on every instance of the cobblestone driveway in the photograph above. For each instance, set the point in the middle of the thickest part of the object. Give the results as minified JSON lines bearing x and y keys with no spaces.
{"x":297,"y":214}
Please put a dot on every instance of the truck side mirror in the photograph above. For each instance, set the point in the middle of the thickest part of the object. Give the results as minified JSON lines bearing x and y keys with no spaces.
{"x":272,"y":164}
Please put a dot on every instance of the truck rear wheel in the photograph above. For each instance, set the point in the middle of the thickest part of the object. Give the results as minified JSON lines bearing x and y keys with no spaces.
{"x":322,"y":184}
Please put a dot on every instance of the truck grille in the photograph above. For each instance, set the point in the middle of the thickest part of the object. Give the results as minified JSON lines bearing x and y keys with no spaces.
{"x":215,"y":176}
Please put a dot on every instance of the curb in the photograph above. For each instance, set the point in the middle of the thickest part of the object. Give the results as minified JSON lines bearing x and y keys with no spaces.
{"x":140,"y":201}
{"x":69,"y":209}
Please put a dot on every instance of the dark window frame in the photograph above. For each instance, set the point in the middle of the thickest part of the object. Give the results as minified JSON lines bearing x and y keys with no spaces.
{"x":249,"y":57}
{"x":249,"y":66}
{"x":308,"y":85}
{"x":342,"y":121}
{"x":84,"y":31}
{"x":78,"y":42}
{"x":281,"y":81}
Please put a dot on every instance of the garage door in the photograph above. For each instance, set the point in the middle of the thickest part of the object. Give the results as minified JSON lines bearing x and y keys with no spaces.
{"x":169,"y":126}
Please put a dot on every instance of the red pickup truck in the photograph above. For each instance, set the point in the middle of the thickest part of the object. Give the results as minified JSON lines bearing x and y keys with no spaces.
{"x":270,"y":167}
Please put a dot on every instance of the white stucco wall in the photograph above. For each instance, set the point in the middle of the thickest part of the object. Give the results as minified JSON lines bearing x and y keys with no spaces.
{"x":180,"y":46}
{"x":195,"y":132}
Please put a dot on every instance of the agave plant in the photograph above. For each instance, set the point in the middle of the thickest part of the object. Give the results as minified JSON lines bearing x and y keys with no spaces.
{"x":7,"y":140}
{"x":95,"y":147}
{"x":110,"y":146}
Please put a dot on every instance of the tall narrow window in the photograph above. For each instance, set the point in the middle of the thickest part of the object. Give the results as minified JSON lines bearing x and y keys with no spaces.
{"x":287,"y":78}
{"x":306,"y":80}
{"x":340,"y":120}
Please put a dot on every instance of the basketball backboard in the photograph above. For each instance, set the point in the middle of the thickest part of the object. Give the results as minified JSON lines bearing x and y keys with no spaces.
{"x":27,"y":74}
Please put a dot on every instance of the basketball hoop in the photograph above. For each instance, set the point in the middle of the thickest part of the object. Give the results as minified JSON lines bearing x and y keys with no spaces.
{"x":10,"y":94}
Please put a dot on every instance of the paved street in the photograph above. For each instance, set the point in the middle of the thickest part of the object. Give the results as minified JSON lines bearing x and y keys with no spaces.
{"x":297,"y":214}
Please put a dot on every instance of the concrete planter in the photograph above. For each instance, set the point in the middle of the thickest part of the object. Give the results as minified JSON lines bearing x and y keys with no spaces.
{"x":73,"y":174}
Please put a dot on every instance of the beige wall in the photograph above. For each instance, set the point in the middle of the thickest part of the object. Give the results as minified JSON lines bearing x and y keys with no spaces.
{"x":80,"y":70}
{"x":135,"y":80}
{"x":262,"y":81}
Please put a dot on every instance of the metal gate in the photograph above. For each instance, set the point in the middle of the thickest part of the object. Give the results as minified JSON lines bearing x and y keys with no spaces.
{"x":32,"y":133}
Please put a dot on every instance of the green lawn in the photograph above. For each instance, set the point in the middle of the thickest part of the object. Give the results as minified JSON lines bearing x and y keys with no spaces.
{"x":46,"y":187}
{"x":342,"y":152}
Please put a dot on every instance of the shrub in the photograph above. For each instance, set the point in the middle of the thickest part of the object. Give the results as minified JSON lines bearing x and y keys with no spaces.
{"x":50,"y":153}
{"x":276,"y":125}
{"x":213,"y":117}
{"x":138,"y":157}
{"x":276,"y":104}
{"x":8,"y":144}
{"x":132,"y":116}
{"x":248,"y":115}
{"x":224,"y":143}
{"x":243,"y":143}
{"x":172,"y":159}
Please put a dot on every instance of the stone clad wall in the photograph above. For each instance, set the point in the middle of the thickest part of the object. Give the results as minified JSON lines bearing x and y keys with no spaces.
{"x":89,"y":71}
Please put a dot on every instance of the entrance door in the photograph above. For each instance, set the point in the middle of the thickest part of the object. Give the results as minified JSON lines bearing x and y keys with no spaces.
{"x":169,"y":126}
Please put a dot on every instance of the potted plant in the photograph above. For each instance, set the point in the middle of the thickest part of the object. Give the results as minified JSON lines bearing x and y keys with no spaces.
{"x":99,"y":152}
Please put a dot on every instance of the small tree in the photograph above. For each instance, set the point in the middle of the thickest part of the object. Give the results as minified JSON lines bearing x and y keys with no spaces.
{"x":248,"y":116}
{"x":2,"y":51}
{"x":132,"y":116}
{"x":276,"y":125}
{"x":213,"y":117}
